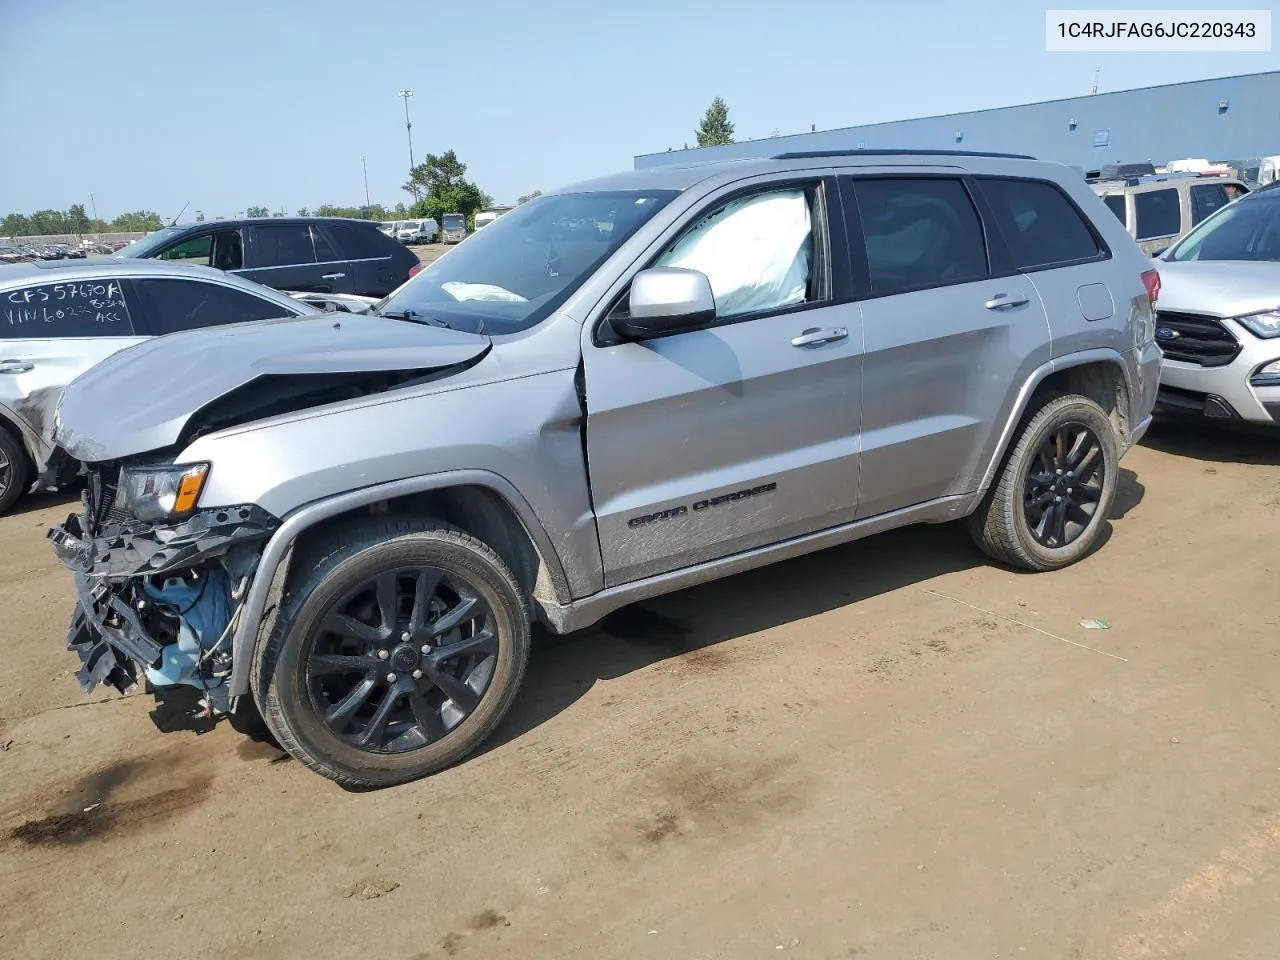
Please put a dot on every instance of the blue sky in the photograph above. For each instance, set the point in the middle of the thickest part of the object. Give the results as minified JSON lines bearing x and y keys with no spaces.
{"x":153,"y":104}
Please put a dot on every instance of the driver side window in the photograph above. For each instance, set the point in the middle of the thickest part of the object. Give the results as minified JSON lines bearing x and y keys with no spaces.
{"x":221,"y":250}
{"x":757,"y":251}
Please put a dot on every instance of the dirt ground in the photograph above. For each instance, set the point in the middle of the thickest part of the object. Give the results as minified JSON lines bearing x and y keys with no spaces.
{"x":888,"y":750}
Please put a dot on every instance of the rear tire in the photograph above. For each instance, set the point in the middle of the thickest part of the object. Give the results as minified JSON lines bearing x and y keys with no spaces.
{"x":14,"y":472}
{"x":395,"y":654}
{"x":1050,"y":501}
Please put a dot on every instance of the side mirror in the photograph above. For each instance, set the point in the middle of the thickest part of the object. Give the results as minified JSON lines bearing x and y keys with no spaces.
{"x":1159,"y":250}
{"x":666,"y":300}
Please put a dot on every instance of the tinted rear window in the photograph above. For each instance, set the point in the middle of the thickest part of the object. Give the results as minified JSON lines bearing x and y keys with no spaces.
{"x":919,"y":233}
{"x":1157,"y":214}
{"x":285,"y":244}
{"x":1040,"y":225}
{"x":1206,"y":198}
{"x":176,"y":305}
{"x":87,"y":308}
{"x":361,"y":243}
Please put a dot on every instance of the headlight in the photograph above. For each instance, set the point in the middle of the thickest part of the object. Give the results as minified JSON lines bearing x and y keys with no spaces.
{"x":1265,"y":325}
{"x":1267,"y":376}
{"x":154,"y":493}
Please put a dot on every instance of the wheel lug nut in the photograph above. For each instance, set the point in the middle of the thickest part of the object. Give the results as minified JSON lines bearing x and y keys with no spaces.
{"x":391,"y":678}
{"x":426,"y":648}
{"x":417,"y":674}
{"x":383,"y":654}
{"x":1059,"y":472}
{"x":1057,"y":499}
{"x":406,"y":636}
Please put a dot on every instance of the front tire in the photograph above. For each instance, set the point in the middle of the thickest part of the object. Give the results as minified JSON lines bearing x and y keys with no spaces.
{"x":1050,"y":502}
{"x":14,"y":472}
{"x":395,"y":654}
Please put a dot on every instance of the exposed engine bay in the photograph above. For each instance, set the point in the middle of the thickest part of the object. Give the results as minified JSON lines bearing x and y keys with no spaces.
{"x":166,"y":597}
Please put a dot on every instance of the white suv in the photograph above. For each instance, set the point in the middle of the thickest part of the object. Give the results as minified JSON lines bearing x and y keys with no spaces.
{"x":1218,"y":321}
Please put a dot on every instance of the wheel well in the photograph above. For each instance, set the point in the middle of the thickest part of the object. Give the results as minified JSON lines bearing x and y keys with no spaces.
{"x":13,"y":430}
{"x":478,"y":510}
{"x":1102,"y":382}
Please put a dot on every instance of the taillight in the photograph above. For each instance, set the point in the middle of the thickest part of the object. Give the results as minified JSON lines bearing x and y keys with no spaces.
{"x":414,"y":270}
{"x":1150,"y":280}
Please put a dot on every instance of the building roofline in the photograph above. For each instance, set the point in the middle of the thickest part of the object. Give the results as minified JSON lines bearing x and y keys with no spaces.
{"x":982,"y":110}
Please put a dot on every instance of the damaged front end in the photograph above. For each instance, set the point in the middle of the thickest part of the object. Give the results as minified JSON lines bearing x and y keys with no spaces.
{"x":161,"y":596}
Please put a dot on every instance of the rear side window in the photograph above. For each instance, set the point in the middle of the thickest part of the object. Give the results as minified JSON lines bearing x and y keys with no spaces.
{"x":1157,"y":214}
{"x":285,"y":244}
{"x":919,"y":233}
{"x":325,"y":251}
{"x":86,"y":308}
{"x":1206,"y":198}
{"x":174,"y":305}
{"x":1115,"y":203}
{"x":360,"y":243}
{"x":1041,"y":227}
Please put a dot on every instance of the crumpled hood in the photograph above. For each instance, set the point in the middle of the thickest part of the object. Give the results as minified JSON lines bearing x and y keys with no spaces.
{"x":141,"y":398}
{"x":1221,"y":288}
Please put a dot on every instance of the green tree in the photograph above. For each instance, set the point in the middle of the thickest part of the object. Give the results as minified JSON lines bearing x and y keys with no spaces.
{"x":715,"y":128}
{"x":16,"y":225}
{"x":138,"y":221}
{"x":304,"y":212}
{"x":528,"y":196}
{"x":257,"y":212}
{"x":77,"y":219}
{"x":440,"y":181}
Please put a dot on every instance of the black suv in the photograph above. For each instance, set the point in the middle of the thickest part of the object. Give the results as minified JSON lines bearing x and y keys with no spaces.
{"x":307,"y":254}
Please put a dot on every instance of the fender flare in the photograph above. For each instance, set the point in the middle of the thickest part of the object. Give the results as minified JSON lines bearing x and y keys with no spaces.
{"x":1037,"y":377}
{"x":307,"y":516}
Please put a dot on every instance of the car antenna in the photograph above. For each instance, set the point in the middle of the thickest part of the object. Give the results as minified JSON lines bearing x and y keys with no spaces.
{"x":174,"y":221}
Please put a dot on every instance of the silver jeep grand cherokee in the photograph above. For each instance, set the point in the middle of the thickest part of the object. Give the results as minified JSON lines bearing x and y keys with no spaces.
{"x":614,"y":391}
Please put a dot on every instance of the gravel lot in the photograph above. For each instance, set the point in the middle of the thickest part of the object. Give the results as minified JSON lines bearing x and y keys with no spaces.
{"x":888,"y":750}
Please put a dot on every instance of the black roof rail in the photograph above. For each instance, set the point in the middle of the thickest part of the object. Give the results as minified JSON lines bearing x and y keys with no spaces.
{"x":814,"y":154}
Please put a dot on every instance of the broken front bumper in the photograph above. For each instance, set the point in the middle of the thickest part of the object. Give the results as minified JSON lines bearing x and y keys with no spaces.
{"x":111,"y":570}
{"x":109,"y":637}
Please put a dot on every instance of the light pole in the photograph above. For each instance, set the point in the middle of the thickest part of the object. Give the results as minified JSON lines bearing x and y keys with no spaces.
{"x":408,"y":128}
{"x":365,"y":167}
{"x":93,"y":205}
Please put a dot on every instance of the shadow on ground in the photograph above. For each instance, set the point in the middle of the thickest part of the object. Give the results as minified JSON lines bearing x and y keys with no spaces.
{"x":562,"y":669}
{"x":1218,"y":442}
{"x":35,"y":502}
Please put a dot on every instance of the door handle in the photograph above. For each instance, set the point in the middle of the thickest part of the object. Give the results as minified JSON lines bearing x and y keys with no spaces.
{"x":339,"y":276}
{"x":814,"y":337}
{"x":16,"y":366}
{"x":1002,"y":301}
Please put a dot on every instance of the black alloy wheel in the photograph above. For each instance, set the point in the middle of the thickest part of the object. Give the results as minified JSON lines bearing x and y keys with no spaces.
{"x":402,"y":659}
{"x":399,"y":645}
{"x":1064,"y":484}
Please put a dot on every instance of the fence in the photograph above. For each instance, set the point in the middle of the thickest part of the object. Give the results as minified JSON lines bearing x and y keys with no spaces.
{"x":73,"y":238}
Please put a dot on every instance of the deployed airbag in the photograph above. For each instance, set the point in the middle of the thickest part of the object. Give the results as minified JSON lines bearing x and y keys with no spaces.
{"x":755,"y":251}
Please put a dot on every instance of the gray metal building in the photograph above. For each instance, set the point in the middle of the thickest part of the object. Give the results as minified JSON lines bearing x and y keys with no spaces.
{"x":1223,"y":119}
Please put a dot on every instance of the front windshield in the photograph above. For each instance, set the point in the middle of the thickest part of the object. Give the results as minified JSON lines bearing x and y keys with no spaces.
{"x":149,"y":244}
{"x":453,"y":221}
{"x":511,"y":277}
{"x":1244,"y":230}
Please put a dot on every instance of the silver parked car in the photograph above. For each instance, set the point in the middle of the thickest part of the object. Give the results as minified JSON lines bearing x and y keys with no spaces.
{"x":613,"y":391}
{"x":1219,"y":317}
{"x":58,"y":319}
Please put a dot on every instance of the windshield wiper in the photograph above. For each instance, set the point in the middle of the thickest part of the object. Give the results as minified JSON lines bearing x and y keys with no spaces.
{"x":414,"y":317}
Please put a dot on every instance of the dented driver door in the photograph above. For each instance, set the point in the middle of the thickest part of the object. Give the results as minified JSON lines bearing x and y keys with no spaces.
{"x":718,"y":440}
